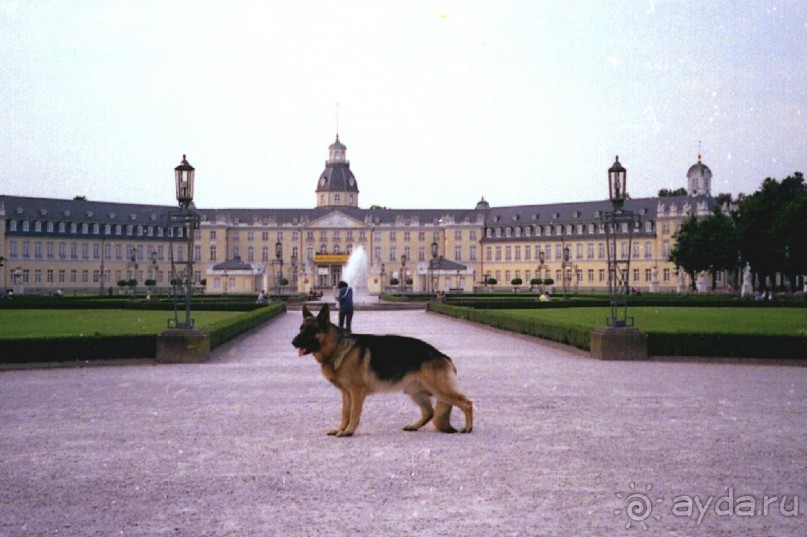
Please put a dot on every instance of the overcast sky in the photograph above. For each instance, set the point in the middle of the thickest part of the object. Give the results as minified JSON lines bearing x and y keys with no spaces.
{"x":440,"y":103}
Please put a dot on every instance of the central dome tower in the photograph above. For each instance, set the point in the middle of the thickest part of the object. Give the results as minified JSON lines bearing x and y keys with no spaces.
{"x":337,"y":185}
{"x":699,"y":178}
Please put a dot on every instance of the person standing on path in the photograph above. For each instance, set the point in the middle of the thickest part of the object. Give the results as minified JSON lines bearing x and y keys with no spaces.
{"x":344,"y":297}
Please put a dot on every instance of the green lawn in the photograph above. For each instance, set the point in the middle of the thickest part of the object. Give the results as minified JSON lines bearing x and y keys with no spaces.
{"x":772,"y":321}
{"x":47,"y":323}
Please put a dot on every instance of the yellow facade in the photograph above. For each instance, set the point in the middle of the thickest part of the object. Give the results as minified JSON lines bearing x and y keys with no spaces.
{"x":54,"y":245}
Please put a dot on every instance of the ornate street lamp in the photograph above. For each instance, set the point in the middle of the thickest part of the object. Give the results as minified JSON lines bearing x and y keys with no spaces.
{"x":184,"y":183}
{"x":618,"y":223}
{"x":183,"y":224}
{"x":541,"y":259}
{"x":433,"y":265}
{"x":563,"y":268}
{"x":617,"y":184}
{"x":294,"y":270}
{"x":279,"y":257}
{"x":403,"y":273}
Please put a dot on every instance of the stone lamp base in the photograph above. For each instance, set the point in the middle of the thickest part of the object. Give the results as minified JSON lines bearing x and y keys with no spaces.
{"x":183,"y":346}
{"x":622,"y":343}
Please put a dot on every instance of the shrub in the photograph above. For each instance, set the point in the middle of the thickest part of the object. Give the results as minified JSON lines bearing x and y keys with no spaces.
{"x":568,"y":335}
{"x":223,"y":331}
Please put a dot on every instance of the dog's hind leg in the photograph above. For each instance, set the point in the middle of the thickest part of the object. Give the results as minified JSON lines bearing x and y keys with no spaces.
{"x":443,"y":386}
{"x":442,"y":417}
{"x":449,"y":399}
{"x":423,"y":400}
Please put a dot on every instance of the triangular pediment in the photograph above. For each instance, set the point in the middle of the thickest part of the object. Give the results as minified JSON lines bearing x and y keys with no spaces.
{"x":336,"y":219}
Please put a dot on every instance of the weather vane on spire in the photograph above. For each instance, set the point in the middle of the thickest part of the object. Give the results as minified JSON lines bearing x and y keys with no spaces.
{"x":337,"y":120}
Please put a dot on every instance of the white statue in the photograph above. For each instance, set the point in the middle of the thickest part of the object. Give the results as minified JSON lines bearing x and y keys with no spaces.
{"x":747,"y":288}
{"x":680,"y":287}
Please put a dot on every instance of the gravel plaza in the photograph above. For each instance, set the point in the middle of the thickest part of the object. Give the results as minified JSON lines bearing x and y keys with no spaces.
{"x":562,"y":445}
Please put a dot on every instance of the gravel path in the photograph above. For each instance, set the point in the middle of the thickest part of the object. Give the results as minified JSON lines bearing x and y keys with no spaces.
{"x":562,"y":445}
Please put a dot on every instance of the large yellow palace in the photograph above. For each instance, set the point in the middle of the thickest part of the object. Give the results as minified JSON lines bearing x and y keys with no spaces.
{"x":53,"y":245}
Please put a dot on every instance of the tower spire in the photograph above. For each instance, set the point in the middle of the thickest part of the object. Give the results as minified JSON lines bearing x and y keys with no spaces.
{"x":337,"y":120}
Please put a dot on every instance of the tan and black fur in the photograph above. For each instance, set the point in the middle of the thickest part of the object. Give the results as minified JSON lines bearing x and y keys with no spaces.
{"x":362,"y":364}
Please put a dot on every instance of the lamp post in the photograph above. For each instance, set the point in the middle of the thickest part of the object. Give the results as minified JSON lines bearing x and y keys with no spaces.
{"x":433,"y":265}
{"x":294,"y":270}
{"x":403,"y":273}
{"x":383,"y":278}
{"x":16,"y":273}
{"x":618,"y":223}
{"x":153,"y":270}
{"x":279,"y":258}
{"x":541,"y":260}
{"x":563,"y":268}
{"x":183,"y":225}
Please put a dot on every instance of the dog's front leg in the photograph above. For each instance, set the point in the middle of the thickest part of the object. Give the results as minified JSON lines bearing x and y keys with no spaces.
{"x":356,"y":396}
{"x":345,"y":414}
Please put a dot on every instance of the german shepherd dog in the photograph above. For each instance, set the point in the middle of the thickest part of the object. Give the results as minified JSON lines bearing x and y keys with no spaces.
{"x":362,"y":364}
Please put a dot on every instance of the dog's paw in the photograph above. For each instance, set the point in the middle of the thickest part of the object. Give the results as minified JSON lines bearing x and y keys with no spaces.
{"x":411,"y":428}
{"x":333,"y":432}
{"x":343,"y":434}
{"x":466,"y":430}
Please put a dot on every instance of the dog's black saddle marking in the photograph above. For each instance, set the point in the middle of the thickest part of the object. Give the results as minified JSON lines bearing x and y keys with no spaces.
{"x":392,"y":357}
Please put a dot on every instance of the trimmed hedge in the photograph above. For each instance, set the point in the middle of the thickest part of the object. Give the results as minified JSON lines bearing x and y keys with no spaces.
{"x":530,"y":302}
{"x":576,"y":336}
{"x":78,"y":348}
{"x":83,"y":348}
{"x":223,"y":331}
{"x":129,"y":304}
{"x":728,"y":345}
{"x":659,"y":344}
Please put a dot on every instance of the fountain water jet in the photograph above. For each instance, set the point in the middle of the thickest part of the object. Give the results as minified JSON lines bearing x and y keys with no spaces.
{"x":355,"y":274}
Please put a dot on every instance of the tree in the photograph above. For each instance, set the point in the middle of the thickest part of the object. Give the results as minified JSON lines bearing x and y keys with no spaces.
{"x":666,"y":193}
{"x":516,"y":282}
{"x":793,"y":227}
{"x":688,"y":252}
{"x":132,"y":285}
{"x":720,"y":238}
{"x":768,"y":226}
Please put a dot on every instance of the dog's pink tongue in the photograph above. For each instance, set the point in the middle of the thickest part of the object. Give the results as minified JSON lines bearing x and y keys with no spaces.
{"x":300,"y":352}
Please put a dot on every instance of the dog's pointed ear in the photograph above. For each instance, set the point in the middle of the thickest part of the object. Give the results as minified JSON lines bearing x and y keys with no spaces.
{"x":306,"y":312}
{"x":324,"y":317}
